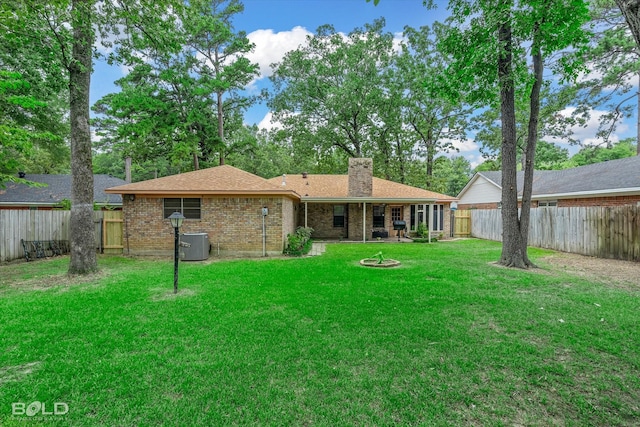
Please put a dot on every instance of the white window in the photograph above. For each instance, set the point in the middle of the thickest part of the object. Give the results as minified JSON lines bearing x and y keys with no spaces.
{"x":419,"y":213}
{"x":548,"y":204}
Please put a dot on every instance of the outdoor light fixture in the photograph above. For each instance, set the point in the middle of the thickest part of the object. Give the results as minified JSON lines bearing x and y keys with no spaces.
{"x":176,"y":219}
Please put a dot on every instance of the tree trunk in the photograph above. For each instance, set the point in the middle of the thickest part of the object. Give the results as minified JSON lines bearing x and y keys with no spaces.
{"x":512,"y":255}
{"x":221,"y":127}
{"x":631,"y":11}
{"x":83,"y":248}
{"x":430,"y":156}
{"x":530,"y":148}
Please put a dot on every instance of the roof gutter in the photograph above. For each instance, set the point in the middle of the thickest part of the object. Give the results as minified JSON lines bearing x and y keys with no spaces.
{"x":389,"y":200}
{"x":591,"y":193}
{"x":54,"y":204}
{"x":229,"y":193}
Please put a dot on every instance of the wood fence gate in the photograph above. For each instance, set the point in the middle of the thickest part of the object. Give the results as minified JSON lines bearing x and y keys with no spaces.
{"x":462,"y":223}
{"x":112,"y":232}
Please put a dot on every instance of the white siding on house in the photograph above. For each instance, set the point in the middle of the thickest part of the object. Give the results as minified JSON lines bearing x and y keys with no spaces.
{"x":480,"y":191}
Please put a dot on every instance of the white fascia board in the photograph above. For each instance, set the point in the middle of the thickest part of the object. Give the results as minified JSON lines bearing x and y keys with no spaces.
{"x":592,"y":193}
{"x":370,"y":200}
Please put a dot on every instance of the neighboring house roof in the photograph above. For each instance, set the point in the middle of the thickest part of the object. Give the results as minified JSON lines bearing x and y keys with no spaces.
{"x":321,"y":188}
{"x":220,"y":180}
{"x":58,"y":188}
{"x":614,"y":177}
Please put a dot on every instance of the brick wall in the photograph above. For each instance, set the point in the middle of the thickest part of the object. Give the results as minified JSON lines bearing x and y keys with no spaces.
{"x":320,"y":218}
{"x":600,"y":201}
{"x":478,"y":206}
{"x":360,"y":177}
{"x":233,"y":224}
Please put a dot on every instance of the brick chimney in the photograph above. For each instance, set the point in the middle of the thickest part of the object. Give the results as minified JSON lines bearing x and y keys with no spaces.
{"x":360,"y":177}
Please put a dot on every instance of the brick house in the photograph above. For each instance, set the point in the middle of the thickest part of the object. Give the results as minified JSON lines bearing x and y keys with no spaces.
{"x":359,"y":206}
{"x":611,"y":183}
{"x":226,"y":203}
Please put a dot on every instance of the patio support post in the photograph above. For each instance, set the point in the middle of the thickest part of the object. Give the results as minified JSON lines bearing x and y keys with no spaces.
{"x":305,"y":215}
{"x":430,"y":221}
{"x":364,"y":223}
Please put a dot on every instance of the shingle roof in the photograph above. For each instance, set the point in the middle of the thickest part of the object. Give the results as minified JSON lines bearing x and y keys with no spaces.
{"x":219,"y":180}
{"x":337,"y":187}
{"x":58,"y":188}
{"x":613,"y":175}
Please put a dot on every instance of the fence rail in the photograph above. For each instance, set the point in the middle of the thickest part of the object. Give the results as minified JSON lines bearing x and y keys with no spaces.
{"x":604,"y":232}
{"x":48,"y":225}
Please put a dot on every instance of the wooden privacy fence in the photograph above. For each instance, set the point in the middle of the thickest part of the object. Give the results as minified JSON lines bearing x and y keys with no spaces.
{"x":53,"y":225}
{"x":604,"y":232}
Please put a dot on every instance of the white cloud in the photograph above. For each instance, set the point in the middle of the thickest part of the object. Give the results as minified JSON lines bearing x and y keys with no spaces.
{"x":466,"y":148}
{"x":267,"y":124}
{"x":467,"y":145}
{"x":587,"y":135}
{"x":271,"y":47}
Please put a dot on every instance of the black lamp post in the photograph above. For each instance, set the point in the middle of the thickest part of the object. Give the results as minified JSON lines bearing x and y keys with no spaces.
{"x":176,"y":219}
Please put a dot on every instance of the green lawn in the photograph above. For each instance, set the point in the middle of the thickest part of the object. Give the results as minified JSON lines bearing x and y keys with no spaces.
{"x":447,"y":339}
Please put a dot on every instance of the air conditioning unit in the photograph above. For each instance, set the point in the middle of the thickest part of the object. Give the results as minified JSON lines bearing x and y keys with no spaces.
{"x":198,"y":246}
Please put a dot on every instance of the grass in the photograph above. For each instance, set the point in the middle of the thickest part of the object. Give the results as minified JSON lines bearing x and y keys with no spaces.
{"x":445,"y":339}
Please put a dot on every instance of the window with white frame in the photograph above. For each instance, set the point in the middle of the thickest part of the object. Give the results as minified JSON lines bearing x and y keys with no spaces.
{"x":189,"y":207}
{"x":548,"y":204}
{"x":420,"y":213}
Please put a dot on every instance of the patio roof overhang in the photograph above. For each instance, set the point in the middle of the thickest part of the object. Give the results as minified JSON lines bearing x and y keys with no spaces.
{"x":387,"y":200}
{"x":364,"y":200}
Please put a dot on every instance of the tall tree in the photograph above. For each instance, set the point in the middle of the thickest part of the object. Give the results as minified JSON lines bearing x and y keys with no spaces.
{"x":83,"y":253}
{"x":34,"y":97}
{"x":183,"y":101}
{"x":327,"y":94}
{"x":611,"y":83}
{"x":66,"y":29}
{"x":222,"y":66}
{"x":490,"y":51}
{"x":436,"y":122}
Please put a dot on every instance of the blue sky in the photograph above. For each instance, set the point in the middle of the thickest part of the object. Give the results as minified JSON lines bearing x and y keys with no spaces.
{"x":276,"y":26}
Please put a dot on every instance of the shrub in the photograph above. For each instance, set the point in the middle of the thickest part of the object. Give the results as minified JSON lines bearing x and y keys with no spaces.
{"x":422,"y":230}
{"x":299,"y":243}
{"x":424,"y":240}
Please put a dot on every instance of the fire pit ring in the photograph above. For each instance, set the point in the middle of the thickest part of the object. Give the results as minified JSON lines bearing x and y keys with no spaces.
{"x":376,"y":263}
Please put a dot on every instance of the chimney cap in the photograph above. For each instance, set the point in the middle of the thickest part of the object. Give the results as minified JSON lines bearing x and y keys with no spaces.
{"x":305,"y":174}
